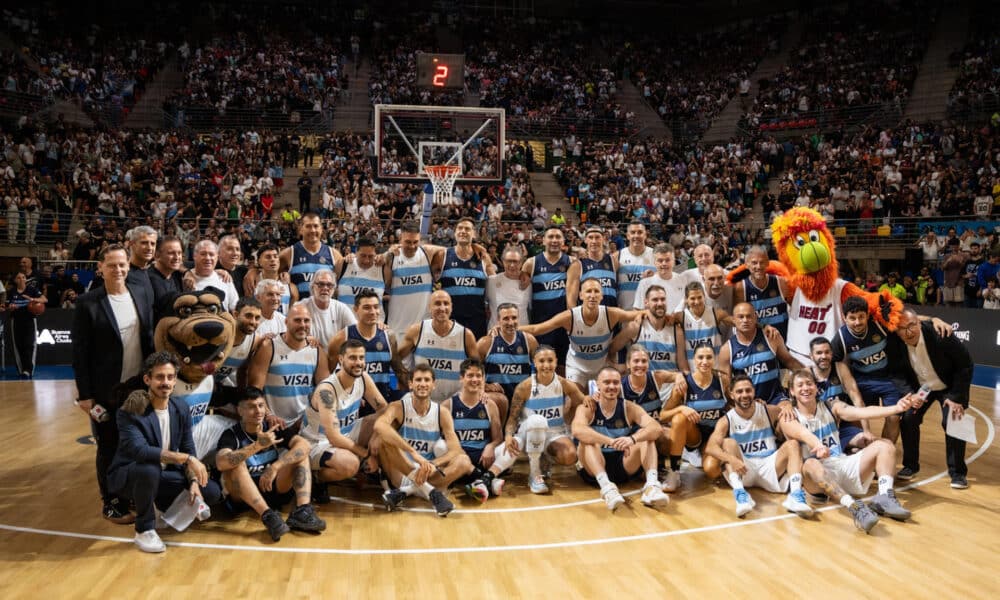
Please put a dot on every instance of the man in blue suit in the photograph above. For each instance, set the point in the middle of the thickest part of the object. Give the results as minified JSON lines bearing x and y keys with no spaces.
{"x":112,"y":332}
{"x":155,"y":460}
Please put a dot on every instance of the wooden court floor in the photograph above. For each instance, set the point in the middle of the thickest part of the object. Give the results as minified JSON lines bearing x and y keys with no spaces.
{"x":54,"y":544}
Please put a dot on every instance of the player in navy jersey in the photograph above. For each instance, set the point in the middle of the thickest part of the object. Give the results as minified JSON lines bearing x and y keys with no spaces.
{"x":744,"y":442}
{"x":597,"y":264}
{"x":693,"y":420}
{"x":477,"y":425}
{"x":507,"y":352}
{"x":265,"y":468}
{"x":765,"y":292}
{"x":617,"y":442}
{"x":555,"y":287}
{"x":835,"y":382}
{"x":464,"y":271}
{"x":309,"y":255}
{"x":860,"y":344}
{"x":758,"y":355}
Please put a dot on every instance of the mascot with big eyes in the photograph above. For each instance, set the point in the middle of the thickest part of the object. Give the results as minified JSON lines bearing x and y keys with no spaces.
{"x":200,"y":332}
{"x":808,"y":263}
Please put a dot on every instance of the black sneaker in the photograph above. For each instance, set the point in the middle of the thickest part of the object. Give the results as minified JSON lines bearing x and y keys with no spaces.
{"x":906,"y":473}
{"x":116,"y":512}
{"x":442,"y":505}
{"x":320,"y":491}
{"x":276,"y":526}
{"x":304,"y":518}
{"x":959,"y":482}
{"x":392,"y":499}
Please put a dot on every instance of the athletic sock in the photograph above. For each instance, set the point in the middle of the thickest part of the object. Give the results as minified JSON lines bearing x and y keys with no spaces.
{"x":795,"y":482}
{"x":653,"y":477}
{"x":847,"y":500}
{"x":675,"y":462}
{"x":534,"y":465}
{"x":407,"y":486}
{"x":602,"y":480}
{"x":736,"y":481}
{"x":884,"y":484}
{"x":424,"y":491}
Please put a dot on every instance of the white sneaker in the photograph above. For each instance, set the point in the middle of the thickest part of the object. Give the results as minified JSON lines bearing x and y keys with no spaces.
{"x":537,"y":485}
{"x":796,"y":503}
{"x":672,"y":482}
{"x":744,"y":503}
{"x":652,"y":495}
{"x":149,"y":541}
{"x":693,"y":457}
{"x":613,"y":498}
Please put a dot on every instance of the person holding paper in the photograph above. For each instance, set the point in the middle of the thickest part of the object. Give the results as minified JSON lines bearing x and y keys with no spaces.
{"x":155,"y":460}
{"x":944,"y":366}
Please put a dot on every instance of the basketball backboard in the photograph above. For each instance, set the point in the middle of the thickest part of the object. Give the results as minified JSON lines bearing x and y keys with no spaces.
{"x":408,"y":138}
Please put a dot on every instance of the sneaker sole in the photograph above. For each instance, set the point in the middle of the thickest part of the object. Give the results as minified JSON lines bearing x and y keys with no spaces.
{"x":306,"y":526}
{"x":281,"y":532}
{"x":959,"y":486}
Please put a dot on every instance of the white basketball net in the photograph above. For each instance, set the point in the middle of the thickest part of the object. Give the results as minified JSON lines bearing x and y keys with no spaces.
{"x":443,"y":178}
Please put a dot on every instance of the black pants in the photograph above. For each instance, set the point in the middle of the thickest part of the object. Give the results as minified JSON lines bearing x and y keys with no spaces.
{"x":150,"y":487}
{"x":910,"y":432}
{"x":22,"y":335}
{"x":106,"y":436}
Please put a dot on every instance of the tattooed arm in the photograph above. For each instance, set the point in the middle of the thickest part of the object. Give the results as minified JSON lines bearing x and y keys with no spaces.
{"x":324,"y":400}
{"x":228,"y":459}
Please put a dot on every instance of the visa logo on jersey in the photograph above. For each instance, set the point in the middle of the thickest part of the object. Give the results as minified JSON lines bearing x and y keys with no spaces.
{"x":471,"y":435}
{"x":756,"y":369}
{"x":411,"y":280}
{"x":441,"y":363}
{"x":510,"y":369}
{"x":466,"y":281}
{"x":754,"y":446}
{"x":297,"y":380}
{"x":559,"y":284}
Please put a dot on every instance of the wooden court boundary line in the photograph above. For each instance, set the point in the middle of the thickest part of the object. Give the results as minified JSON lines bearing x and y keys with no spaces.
{"x":991,"y":432}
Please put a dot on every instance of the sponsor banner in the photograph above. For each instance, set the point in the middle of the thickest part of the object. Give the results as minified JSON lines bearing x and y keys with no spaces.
{"x":977,"y":328}
{"x":941,"y":227}
{"x":54,"y":340}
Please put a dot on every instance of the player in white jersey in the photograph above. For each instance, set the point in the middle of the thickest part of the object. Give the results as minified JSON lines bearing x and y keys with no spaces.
{"x":361,"y":273}
{"x":414,"y":431}
{"x":408,"y":279}
{"x":655,"y":332}
{"x":228,"y":379}
{"x":333,"y":425}
{"x":828,"y":469}
{"x":744,"y":442}
{"x":635,"y":261}
{"x":672,"y":283}
{"x":286,"y":368}
{"x":808,"y":319}
{"x":541,"y":408}
{"x":589,"y":327}
{"x":700,"y":325}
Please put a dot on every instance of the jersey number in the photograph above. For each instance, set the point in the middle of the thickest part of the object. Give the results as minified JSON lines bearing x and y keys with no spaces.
{"x":817,"y":327}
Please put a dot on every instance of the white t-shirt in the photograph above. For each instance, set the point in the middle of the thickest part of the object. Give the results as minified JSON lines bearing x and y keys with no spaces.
{"x":501,"y":289}
{"x":674,"y":287}
{"x":128,"y":330}
{"x":275,"y":325}
{"x":327,"y":322}
{"x":163,"y":416}
{"x":213,"y":280}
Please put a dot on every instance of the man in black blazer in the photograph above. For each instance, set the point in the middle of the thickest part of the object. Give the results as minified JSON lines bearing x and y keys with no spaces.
{"x":155,"y":460}
{"x":923,"y":357}
{"x":112,"y":333}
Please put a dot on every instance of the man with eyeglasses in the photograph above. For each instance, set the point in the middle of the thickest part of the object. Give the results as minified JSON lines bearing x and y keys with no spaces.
{"x":328,"y":315}
{"x":509,"y":286}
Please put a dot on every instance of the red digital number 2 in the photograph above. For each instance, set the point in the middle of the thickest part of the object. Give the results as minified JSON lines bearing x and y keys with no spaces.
{"x":440,"y":76}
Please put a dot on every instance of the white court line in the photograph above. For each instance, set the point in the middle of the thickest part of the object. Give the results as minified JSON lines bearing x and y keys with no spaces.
{"x":991,"y":432}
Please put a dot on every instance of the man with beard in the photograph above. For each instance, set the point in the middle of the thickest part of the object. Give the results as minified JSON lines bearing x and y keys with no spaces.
{"x":328,"y":315}
{"x":361,"y":273}
{"x":230,"y":385}
{"x":838,"y":384}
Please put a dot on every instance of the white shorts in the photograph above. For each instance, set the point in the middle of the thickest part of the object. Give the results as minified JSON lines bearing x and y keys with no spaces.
{"x":316,"y":453}
{"x":846,"y":471}
{"x":761,"y":473}
{"x":207,"y":432}
{"x":551,"y":434}
{"x":578,"y":375}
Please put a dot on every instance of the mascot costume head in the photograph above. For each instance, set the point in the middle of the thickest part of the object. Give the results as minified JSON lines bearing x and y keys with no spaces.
{"x":200,"y":333}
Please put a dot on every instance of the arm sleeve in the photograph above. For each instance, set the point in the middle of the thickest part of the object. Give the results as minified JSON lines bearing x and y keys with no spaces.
{"x":131,"y":442}
{"x":82,"y":337}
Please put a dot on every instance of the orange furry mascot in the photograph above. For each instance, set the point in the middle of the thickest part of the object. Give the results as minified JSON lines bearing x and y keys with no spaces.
{"x":816,"y":291}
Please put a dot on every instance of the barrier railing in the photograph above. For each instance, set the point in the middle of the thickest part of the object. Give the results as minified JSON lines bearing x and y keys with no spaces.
{"x":213,"y":119}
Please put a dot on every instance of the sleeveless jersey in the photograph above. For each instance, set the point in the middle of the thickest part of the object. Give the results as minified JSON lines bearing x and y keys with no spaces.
{"x":548,"y":287}
{"x":709,"y":401}
{"x":760,"y":363}
{"x":196,"y":396}
{"x":305,"y":265}
{"x":286,"y":298}
{"x":754,"y":435}
{"x":660,"y":344}
{"x":353,"y":279}
{"x":648,"y":397}
{"x":630,"y":271}
{"x":865,"y":355}
{"x":615,"y":425}
{"x":808,"y":319}
{"x":768,"y":303}
{"x":289,"y":379}
{"x":697,"y":331}
{"x":444,"y":353}
{"x":823,"y":426}
{"x":410,"y":290}
{"x":603,"y":271}
{"x":548,"y":401}
{"x":472,"y":426}
{"x":225,"y":375}
{"x":508,"y":364}
{"x":348,"y":405}
{"x":588,"y":344}
{"x":421,"y":432}
{"x":257,"y":463}
{"x":465,"y":282}
{"x":830,"y":388}
{"x":378,"y":358}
